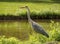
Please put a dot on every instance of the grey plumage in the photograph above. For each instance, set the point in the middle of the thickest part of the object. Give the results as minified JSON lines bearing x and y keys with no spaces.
{"x":38,"y":28}
{"x":35,"y":26}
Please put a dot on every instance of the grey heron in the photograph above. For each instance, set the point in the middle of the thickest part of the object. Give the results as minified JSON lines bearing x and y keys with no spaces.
{"x":35,"y":25}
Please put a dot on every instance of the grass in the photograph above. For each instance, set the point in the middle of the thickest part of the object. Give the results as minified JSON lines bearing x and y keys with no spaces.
{"x":13,"y":7}
{"x":20,"y":32}
{"x":38,"y":10}
{"x":47,"y":15}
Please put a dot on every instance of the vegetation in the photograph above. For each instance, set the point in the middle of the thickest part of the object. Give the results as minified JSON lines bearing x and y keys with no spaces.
{"x":41,"y":11}
{"x":14,"y":7}
{"x":30,"y":0}
{"x":56,"y":0}
{"x":46,"y":15}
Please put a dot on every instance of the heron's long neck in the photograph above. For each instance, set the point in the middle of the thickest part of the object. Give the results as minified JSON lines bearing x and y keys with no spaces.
{"x":28,"y":14}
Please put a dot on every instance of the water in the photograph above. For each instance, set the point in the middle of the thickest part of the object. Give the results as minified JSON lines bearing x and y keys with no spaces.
{"x":22,"y":29}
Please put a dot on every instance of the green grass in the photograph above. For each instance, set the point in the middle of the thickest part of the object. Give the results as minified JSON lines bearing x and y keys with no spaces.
{"x":13,"y":7}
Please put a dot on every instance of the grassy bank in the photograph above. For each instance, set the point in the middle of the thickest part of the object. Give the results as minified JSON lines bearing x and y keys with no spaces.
{"x":38,"y":10}
{"x":13,"y":7}
{"x":33,"y":15}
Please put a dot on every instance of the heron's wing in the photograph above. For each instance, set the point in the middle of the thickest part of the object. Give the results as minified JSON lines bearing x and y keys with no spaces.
{"x":39,"y":28}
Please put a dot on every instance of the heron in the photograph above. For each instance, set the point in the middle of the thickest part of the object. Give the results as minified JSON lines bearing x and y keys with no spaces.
{"x":37,"y":28}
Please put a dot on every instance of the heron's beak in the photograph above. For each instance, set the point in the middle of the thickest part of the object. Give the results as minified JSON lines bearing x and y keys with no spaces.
{"x":22,"y":7}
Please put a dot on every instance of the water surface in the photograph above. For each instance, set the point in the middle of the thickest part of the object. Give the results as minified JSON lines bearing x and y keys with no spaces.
{"x":22,"y":29}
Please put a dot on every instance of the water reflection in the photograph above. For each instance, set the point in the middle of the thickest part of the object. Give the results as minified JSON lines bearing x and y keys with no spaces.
{"x":21,"y":29}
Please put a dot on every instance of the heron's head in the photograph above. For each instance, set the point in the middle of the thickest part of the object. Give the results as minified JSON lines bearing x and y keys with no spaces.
{"x":24,"y":7}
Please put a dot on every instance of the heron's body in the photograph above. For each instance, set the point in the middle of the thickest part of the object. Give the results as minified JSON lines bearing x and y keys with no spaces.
{"x":38,"y":28}
{"x":35,"y":26}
